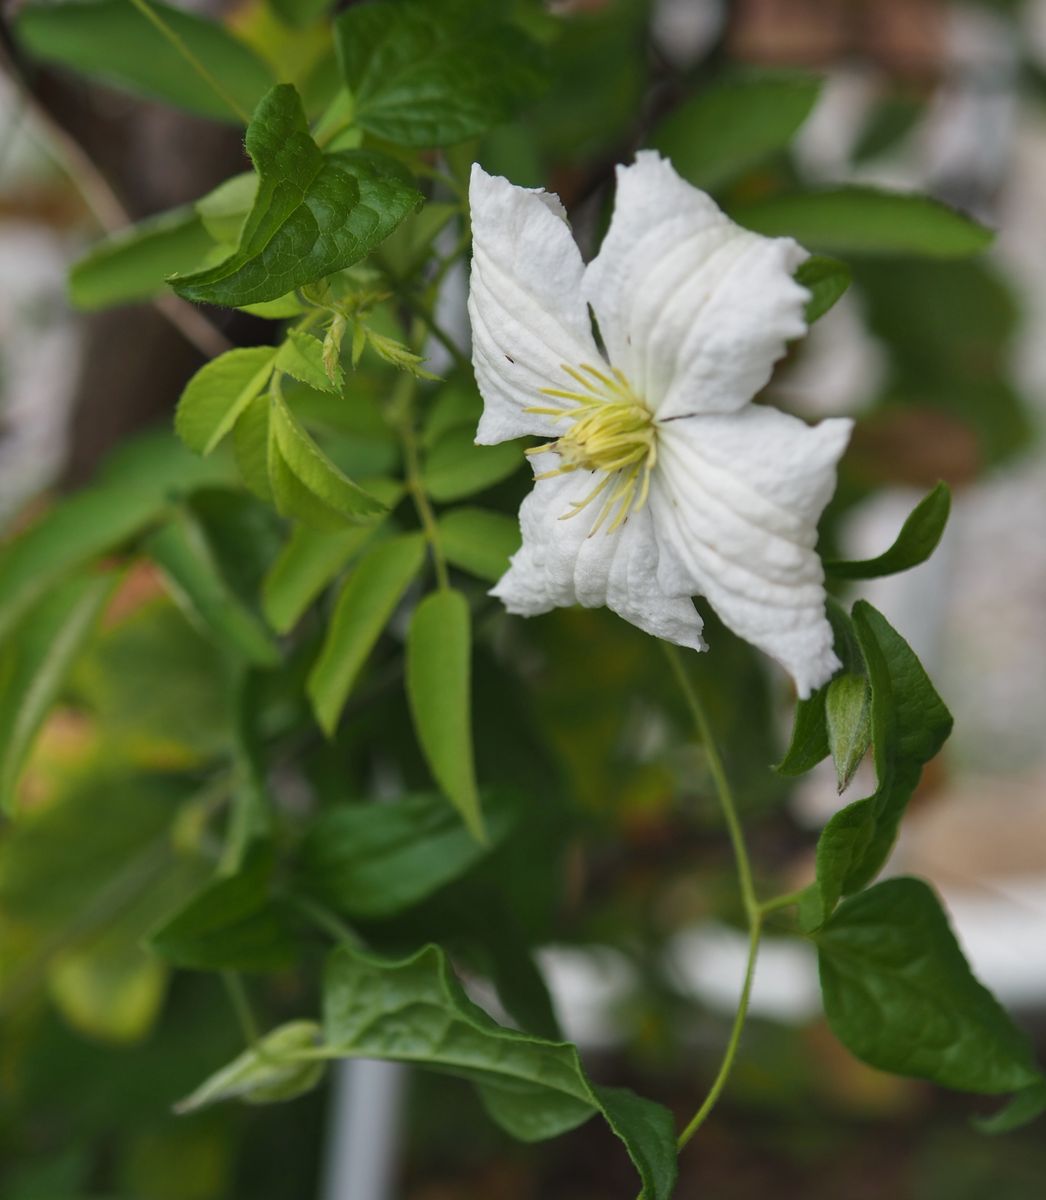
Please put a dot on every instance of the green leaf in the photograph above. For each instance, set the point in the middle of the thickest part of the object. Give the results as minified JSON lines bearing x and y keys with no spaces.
{"x":301,"y":355}
{"x":134,"y":264}
{"x":305,"y":483}
{"x":313,"y":213}
{"x":366,"y":602}
{"x":864,"y":220}
{"x":435,"y":72}
{"x":33,"y":665}
{"x":251,"y":439}
{"x":915,"y":543}
{"x":416,"y":1011}
{"x":180,"y":549}
{"x":479,"y":541}
{"x":899,"y":994}
{"x":217,"y":395}
{"x":1025,"y":1107}
{"x":269,"y":1072}
{"x":112,"y":41}
{"x":232,"y":924}
{"x":373,"y":860}
{"x":735,"y":123}
{"x":456,"y":467}
{"x":809,"y":744}
{"x":311,"y":559}
{"x":224,"y":209}
{"x":826,"y":279}
{"x":439,"y":653}
{"x":909,"y":725}
{"x":848,"y":720}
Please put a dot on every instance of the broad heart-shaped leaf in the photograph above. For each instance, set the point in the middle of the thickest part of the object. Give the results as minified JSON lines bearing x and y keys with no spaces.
{"x":311,"y":559}
{"x":134,"y":264}
{"x":917,"y":540}
{"x":366,"y":602}
{"x":34,"y":662}
{"x":313,"y":213}
{"x":909,"y":725}
{"x":899,"y":994}
{"x":479,"y":541}
{"x":734,"y":123}
{"x":111,"y":40}
{"x":305,"y":483}
{"x":372,"y":860}
{"x":456,"y":467}
{"x":433,"y":72}
{"x":271,"y":1071}
{"x":826,"y":279}
{"x":232,"y":924}
{"x":216,"y":396}
{"x":179,"y":547}
{"x":864,"y":220}
{"x":1028,"y":1104}
{"x":439,"y":687}
{"x":416,"y":1011}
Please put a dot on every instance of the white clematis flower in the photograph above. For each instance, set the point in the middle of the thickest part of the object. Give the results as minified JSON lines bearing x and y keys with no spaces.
{"x":660,"y":481}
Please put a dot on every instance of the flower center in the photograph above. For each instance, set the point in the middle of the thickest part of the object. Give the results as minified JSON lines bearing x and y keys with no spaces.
{"x":611,"y":431}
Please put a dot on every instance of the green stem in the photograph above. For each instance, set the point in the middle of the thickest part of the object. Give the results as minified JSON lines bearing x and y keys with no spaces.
{"x":241,"y":1006}
{"x":755,"y":930}
{"x":786,"y":900}
{"x":726,"y":795}
{"x":178,"y":42}
{"x":329,"y":922}
{"x":416,"y":487}
{"x":753,"y":909}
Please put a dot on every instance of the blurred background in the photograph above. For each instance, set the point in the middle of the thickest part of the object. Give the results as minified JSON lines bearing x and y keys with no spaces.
{"x":944,"y":364}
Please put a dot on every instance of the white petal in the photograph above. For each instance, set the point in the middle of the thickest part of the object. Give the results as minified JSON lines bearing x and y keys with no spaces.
{"x":559,"y":565}
{"x":694,"y":309}
{"x":736,"y":499}
{"x":528,"y":316}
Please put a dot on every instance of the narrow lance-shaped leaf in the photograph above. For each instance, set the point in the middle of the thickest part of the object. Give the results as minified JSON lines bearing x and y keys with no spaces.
{"x":917,"y":540}
{"x":134,"y":264}
{"x":111,"y":40}
{"x":479,"y":541}
{"x":734,"y":123}
{"x":372,"y":860}
{"x":311,"y":559}
{"x":416,"y":1011}
{"x":826,"y":279}
{"x":367,"y":601}
{"x":305,"y":483}
{"x":217,"y":395}
{"x":439,"y":687}
{"x":899,"y":994}
{"x":848,"y":719}
{"x":313,"y":214}
{"x":267,"y":1073}
{"x":865,"y":220}
{"x":232,"y":924}
{"x":180,"y":548}
{"x":435,"y":72}
{"x":34,"y":663}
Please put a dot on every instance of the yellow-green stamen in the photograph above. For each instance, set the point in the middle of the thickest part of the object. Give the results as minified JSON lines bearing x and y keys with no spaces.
{"x":611,"y":431}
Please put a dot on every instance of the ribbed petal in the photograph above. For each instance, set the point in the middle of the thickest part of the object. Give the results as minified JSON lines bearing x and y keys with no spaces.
{"x":735,"y":502}
{"x":559,"y":565}
{"x":694,"y":309}
{"x":525,"y":304}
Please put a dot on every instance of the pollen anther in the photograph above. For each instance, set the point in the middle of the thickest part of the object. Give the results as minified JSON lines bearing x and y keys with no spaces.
{"x":611,"y":431}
